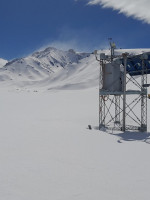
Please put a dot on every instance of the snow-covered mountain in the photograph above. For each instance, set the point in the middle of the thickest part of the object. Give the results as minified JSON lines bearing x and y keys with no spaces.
{"x":55,"y":69}
{"x":41,"y":66}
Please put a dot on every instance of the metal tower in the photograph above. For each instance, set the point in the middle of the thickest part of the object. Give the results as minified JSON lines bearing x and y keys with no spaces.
{"x":121,"y":92}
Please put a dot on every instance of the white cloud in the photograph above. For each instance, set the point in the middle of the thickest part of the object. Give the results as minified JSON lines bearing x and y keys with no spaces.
{"x":77,"y":39}
{"x":77,"y":45}
{"x":139,"y":9}
{"x":64,"y":45}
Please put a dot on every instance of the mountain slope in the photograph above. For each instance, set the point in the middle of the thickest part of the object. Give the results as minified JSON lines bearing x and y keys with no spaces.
{"x":39,"y":65}
{"x":55,"y":69}
{"x":52,"y":60}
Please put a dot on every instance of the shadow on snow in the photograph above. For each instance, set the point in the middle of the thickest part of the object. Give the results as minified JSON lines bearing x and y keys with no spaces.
{"x":129,"y":135}
{"x":133,"y":136}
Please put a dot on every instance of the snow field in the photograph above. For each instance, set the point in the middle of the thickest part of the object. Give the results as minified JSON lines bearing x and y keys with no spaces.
{"x":47,"y":152}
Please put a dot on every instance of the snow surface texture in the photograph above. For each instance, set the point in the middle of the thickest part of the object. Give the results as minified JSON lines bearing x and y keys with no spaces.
{"x":138,"y":9}
{"x":46,"y":150}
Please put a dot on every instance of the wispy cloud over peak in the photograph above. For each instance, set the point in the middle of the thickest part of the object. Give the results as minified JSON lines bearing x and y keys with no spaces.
{"x":139,"y":9}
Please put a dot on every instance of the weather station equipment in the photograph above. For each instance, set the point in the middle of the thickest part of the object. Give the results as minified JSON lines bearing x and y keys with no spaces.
{"x":123,"y":90}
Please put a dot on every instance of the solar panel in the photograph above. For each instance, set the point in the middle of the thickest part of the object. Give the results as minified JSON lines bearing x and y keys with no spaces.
{"x":134,"y":64}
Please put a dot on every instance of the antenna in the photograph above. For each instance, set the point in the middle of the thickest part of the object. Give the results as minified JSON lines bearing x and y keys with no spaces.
{"x":112,"y":48}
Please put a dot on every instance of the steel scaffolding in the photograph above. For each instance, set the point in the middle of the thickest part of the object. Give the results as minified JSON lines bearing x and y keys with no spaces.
{"x":116,"y":109}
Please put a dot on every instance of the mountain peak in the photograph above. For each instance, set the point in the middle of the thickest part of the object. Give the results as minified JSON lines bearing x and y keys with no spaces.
{"x":2,"y":62}
{"x":41,"y":65}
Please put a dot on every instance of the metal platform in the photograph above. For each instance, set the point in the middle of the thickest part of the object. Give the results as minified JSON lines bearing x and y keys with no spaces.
{"x":128,"y":92}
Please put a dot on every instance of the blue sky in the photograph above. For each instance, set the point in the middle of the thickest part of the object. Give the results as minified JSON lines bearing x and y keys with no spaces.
{"x":28,"y":25}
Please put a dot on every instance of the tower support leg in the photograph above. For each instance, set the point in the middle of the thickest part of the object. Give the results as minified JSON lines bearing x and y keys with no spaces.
{"x":117,"y":109}
{"x":101,"y":112}
{"x":143,"y":99}
{"x":124,"y":92}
